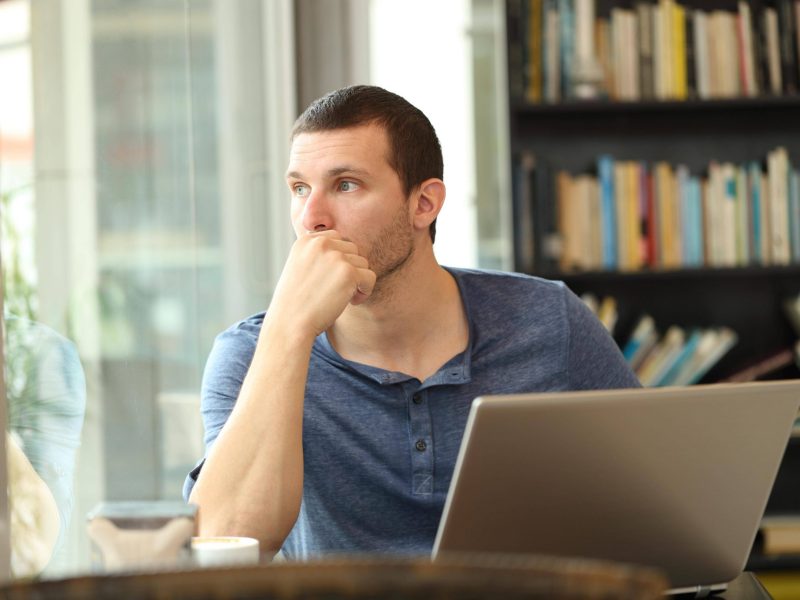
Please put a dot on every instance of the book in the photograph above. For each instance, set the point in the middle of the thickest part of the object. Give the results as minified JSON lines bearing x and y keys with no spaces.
{"x":663,"y":203}
{"x":659,"y":50}
{"x":788,"y":46}
{"x":585,"y":229}
{"x":631,"y":38}
{"x":662,"y":357}
{"x":778,"y":176}
{"x":773,"y":54}
{"x":605,"y":171}
{"x":667,"y":50}
{"x":716,"y":54}
{"x":547,"y":238}
{"x":797,"y":32}
{"x":603,"y":44}
{"x":684,"y":211}
{"x":633,"y":215}
{"x":701,"y":54}
{"x":567,"y":222}
{"x":644,"y":15}
{"x":746,"y":50}
{"x":566,"y":15}
{"x":674,"y":211}
{"x":729,"y":210}
{"x":523,"y":170}
{"x":731,"y":80}
{"x":591,"y":302}
{"x":644,"y":216}
{"x":619,"y":53}
{"x":669,"y":374}
{"x":653,"y":234}
{"x":607,"y":313}
{"x":621,"y":215}
{"x":634,"y":241}
{"x":766,"y":365}
{"x":754,"y":183}
{"x":779,"y":535}
{"x":552,"y":51}
{"x":533,"y":91}
{"x":742,"y":217}
{"x":713,"y":345}
{"x":680,"y":88}
{"x":691,"y":72}
{"x":644,"y":329}
{"x":695,"y":220}
{"x":758,"y":47}
{"x":794,"y":214}
{"x":516,"y":41}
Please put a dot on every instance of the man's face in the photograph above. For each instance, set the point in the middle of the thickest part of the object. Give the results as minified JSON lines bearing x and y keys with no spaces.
{"x":342,"y":180}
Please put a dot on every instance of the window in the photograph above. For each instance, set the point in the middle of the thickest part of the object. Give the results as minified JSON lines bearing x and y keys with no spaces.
{"x":136,"y":226}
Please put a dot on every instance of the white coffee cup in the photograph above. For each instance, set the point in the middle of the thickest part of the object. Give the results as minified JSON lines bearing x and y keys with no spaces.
{"x":224,"y":550}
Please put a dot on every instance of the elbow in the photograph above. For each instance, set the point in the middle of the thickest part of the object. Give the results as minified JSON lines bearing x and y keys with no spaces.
{"x":227,"y":521}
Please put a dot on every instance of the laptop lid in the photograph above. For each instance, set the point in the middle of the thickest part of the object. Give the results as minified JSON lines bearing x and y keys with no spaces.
{"x":676,"y":478}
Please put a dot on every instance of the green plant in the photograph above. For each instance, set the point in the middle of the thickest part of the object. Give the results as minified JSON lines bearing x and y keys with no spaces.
{"x":18,"y":285}
{"x":19,"y":305}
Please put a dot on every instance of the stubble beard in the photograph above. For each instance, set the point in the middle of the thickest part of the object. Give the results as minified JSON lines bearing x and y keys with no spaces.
{"x":390,"y":251}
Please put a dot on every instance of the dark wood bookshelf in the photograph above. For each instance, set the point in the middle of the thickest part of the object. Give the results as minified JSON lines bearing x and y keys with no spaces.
{"x":677,"y":107}
{"x":757,"y":271}
{"x":572,"y":134}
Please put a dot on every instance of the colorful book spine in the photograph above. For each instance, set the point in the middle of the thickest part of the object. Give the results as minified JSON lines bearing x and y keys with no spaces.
{"x":534,"y":85}
{"x":605,"y":169}
{"x":654,"y":49}
{"x":794,"y":213}
{"x":566,"y":15}
{"x":754,"y":181}
{"x":634,"y":215}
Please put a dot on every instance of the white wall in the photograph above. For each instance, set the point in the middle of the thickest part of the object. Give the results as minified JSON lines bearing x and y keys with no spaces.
{"x":421,"y":50}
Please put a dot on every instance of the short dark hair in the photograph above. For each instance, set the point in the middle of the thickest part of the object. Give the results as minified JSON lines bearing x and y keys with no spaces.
{"x":414,"y":150}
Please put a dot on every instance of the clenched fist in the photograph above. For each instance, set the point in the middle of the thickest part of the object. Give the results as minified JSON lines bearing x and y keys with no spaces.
{"x":322,"y":275}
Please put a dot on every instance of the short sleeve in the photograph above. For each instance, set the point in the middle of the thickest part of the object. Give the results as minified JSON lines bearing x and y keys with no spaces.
{"x":594,"y":359}
{"x":224,"y":373}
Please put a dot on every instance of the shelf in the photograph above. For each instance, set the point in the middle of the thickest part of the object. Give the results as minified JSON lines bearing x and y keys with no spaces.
{"x":679,"y":274}
{"x":651,"y":106}
{"x":759,"y":562}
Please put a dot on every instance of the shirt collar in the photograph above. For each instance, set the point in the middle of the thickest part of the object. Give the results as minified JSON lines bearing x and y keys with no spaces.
{"x":455,"y":371}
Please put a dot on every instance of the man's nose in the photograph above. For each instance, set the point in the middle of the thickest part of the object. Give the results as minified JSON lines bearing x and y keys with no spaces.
{"x":316,"y":212}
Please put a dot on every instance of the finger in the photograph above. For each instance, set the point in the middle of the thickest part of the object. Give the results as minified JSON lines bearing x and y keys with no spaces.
{"x":357,"y":261}
{"x":327,"y":233}
{"x":365,"y":286}
{"x":333,"y":241}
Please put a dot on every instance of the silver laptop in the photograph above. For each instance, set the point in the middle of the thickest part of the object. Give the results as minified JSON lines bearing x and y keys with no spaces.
{"x":676,"y":478}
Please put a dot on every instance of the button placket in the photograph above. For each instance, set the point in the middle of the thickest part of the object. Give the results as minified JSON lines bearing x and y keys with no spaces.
{"x":420,"y":440}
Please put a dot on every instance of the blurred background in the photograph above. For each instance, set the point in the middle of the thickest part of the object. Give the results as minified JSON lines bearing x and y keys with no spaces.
{"x":142,"y":151}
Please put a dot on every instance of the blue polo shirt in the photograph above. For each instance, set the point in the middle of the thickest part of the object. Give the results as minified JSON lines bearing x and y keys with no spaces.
{"x":380,"y":446}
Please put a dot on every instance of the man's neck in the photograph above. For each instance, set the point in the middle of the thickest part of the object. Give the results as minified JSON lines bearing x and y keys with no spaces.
{"x":416,"y":323}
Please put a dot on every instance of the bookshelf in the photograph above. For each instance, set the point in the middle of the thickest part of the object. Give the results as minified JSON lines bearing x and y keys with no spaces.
{"x":571,"y":134}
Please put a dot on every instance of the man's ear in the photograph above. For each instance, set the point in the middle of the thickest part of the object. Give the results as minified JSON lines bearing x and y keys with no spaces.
{"x":428,"y":201}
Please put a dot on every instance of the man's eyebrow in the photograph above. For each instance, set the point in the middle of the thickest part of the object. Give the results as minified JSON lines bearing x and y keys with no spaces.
{"x":334,"y":172}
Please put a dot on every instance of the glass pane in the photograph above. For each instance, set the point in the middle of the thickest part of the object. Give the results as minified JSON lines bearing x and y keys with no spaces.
{"x":111,"y":255}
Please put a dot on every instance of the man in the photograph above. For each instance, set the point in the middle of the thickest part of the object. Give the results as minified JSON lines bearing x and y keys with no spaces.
{"x":334,"y":419}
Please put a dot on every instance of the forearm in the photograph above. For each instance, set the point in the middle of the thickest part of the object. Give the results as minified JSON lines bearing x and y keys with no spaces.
{"x":252,"y":481}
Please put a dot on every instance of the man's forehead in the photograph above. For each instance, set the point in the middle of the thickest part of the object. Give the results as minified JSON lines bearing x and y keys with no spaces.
{"x":356,"y":147}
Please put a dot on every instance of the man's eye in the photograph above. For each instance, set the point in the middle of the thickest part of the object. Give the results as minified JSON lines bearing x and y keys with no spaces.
{"x":300,"y":190}
{"x":348,"y":186}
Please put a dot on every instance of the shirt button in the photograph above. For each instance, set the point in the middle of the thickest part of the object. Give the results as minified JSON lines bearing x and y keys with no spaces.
{"x":421,"y":445}
{"x":417,"y":398}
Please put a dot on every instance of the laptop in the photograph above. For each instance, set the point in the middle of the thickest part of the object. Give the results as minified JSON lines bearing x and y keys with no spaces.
{"x":676,"y":478}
